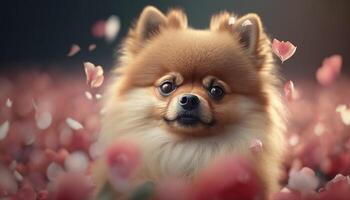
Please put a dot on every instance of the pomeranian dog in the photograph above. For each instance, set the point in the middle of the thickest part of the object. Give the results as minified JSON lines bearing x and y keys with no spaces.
{"x":189,"y":96}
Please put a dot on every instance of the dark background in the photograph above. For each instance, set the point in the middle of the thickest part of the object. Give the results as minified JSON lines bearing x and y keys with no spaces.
{"x":39,"y":33}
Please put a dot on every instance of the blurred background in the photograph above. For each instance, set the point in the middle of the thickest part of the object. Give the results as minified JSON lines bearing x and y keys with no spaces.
{"x":50,"y":109}
{"x":39,"y":34}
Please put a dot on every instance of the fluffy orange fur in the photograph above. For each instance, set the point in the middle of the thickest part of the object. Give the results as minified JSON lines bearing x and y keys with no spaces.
{"x":236,"y":56}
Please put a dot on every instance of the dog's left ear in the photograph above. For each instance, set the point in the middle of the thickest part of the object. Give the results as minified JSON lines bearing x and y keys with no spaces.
{"x":248,"y":29}
{"x":149,"y":23}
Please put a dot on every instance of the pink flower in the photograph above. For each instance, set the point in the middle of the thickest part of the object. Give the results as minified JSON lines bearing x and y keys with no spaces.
{"x":284,"y":50}
{"x":94,"y":75}
{"x":123,"y":158}
{"x":329,"y":70}
{"x":228,"y":178}
{"x":304,"y":180}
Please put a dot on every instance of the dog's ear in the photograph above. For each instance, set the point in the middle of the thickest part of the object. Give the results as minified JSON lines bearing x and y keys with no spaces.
{"x":177,"y":19}
{"x":248,"y":29}
{"x":149,"y":23}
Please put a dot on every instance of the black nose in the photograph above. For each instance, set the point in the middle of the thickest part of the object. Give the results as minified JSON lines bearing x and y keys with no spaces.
{"x":189,"y":101}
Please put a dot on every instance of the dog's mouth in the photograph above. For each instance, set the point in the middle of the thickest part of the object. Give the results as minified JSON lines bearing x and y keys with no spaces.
{"x":188,"y":120}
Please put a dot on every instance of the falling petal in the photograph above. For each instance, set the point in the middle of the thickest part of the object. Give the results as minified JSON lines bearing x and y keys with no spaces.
{"x":304,"y":180}
{"x":73,"y":50}
{"x":8,"y":103}
{"x":73,"y":124}
{"x":284,"y":50}
{"x":88,"y":95}
{"x":112,"y":28}
{"x":77,"y":161}
{"x":340,"y":108}
{"x":256,"y":146}
{"x":94,"y":75}
{"x":4,"y":128}
{"x":98,"y":30}
{"x":345,"y":117}
{"x":92,"y":47}
{"x":289,"y":90}
{"x":18,"y":176}
{"x":330,"y":70}
{"x":97,"y":82}
{"x":43,"y":119}
{"x":53,"y":171}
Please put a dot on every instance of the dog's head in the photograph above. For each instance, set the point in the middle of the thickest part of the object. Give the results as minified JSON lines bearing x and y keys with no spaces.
{"x":194,"y":82}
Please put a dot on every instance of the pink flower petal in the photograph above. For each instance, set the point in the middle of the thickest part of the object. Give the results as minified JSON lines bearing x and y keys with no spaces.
{"x":77,"y":161}
{"x":4,"y":129}
{"x":43,"y":119}
{"x":123,"y":158}
{"x":329,"y":70}
{"x":97,"y":82}
{"x":8,"y":103}
{"x":304,"y":180}
{"x":112,"y":28}
{"x":92,"y":47}
{"x":74,"y":124}
{"x":73,"y":50}
{"x":284,"y":50}
{"x":256,"y":146}
{"x":94,"y":75}
{"x":98,"y":30}
{"x":289,"y":90}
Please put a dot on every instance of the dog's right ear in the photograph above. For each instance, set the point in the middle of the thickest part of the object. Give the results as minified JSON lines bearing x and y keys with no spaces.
{"x":149,"y":23}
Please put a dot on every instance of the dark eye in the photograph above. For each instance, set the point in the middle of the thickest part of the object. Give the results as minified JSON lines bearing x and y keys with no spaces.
{"x":166,"y":88}
{"x":216,"y":92}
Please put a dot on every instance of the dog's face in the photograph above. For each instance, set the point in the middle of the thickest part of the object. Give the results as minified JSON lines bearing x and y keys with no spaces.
{"x":195,"y":82}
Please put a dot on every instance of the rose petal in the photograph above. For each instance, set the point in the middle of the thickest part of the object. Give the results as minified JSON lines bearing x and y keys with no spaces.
{"x":329,"y":70}
{"x":284,"y":50}
{"x":123,"y":158}
{"x":92,"y":47}
{"x":289,"y":90}
{"x":94,"y":75}
{"x":112,"y":28}
{"x":73,"y":50}
{"x":345,"y":116}
{"x":8,"y":103}
{"x":77,"y":162}
{"x":73,"y":124}
{"x":97,"y":82}
{"x":304,"y":180}
{"x":43,"y":119}
{"x":88,"y":95}
{"x":4,"y":128}
{"x":53,"y":171}
{"x":98,"y":29}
